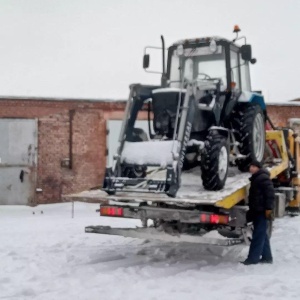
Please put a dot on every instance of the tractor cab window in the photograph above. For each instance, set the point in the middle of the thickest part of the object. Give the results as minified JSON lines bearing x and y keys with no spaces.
{"x":198,"y":64}
{"x":234,"y":61}
{"x":175,"y":71}
{"x":188,"y":69}
{"x":245,"y":75}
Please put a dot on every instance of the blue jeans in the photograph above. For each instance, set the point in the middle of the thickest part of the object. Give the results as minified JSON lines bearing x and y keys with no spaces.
{"x":260,"y":244}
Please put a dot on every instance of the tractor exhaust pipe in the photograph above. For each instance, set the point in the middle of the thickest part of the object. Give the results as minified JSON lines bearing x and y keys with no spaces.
{"x":163,"y":75}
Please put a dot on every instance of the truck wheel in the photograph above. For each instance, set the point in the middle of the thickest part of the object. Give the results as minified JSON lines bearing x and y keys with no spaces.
{"x":214,"y":162}
{"x":249,"y":123}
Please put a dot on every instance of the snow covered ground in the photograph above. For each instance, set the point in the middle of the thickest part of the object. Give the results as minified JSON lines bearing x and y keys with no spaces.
{"x":48,"y":256}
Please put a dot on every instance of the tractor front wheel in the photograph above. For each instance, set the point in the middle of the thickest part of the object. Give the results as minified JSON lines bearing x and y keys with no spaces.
{"x":215,"y":162}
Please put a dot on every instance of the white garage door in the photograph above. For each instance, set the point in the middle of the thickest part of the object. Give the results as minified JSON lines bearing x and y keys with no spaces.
{"x":18,"y":157}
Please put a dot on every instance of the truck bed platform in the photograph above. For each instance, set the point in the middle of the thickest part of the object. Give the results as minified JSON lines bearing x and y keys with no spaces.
{"x":191,"y":192}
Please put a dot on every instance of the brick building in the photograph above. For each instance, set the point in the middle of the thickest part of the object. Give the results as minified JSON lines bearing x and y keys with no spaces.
{"x":71,"y":142}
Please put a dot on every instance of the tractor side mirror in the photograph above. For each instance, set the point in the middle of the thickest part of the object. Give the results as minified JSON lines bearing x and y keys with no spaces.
{"x":246,"y":52}
{"x":146,"y":61}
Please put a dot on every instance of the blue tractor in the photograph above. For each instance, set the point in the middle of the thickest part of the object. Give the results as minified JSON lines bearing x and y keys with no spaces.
{"x":203,"y":115}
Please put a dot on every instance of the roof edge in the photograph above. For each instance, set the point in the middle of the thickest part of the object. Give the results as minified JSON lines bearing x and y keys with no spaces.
{"x":37,"y":98}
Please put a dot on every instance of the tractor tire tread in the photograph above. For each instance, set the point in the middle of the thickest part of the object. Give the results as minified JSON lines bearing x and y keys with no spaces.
{"x":209,"y":163}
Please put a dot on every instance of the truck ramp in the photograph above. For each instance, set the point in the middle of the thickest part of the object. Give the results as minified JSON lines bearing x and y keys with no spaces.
{"x":152,"y":233}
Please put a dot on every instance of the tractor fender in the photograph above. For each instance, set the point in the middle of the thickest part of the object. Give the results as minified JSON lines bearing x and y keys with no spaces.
{"x":255,"y":98}
{"x":220,"y":130}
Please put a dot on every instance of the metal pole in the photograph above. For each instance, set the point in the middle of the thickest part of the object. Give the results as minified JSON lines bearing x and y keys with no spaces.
{"x":72,"y":209}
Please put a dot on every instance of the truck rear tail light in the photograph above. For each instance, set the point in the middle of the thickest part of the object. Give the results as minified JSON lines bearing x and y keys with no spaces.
{"x":111,"y":211}
{"x":204,"y":218}
{"x":214,"y":218}
{"x":219,"y":219}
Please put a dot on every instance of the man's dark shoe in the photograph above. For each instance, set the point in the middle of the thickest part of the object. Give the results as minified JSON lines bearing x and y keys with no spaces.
{"x":266,"y":261}
{"x":247,"y":263}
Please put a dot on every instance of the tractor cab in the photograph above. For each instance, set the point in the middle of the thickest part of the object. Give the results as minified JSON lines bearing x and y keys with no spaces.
{"x":206,"y":61}
{"x":216,"y":69}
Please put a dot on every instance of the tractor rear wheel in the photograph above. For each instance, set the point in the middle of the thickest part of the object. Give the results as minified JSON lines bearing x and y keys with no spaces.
{"x":249,"y":123}
{"x":215,"y":162}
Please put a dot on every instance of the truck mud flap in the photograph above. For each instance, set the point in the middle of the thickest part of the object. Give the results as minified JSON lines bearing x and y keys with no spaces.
{"x":152,"y":233}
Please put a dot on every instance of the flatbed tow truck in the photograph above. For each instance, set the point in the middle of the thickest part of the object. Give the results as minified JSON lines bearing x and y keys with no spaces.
{"x":194,"y":213}
{"x":205,"y":123}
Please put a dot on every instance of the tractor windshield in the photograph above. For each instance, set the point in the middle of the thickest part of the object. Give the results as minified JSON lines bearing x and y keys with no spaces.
{"x":198,"y":64}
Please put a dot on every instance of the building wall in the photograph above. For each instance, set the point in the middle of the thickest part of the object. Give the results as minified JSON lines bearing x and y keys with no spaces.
{"x":280,"y":114}
{"x":84,"y":149}
{"x":74,"y":131}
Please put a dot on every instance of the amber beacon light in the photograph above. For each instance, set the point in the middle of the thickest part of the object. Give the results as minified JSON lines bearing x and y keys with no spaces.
{"x":236,"y":28}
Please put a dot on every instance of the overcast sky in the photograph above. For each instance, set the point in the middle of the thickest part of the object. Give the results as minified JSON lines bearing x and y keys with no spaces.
{"x":94,"y":48}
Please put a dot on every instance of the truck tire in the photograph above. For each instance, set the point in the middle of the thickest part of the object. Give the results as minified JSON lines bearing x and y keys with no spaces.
{"x":249,"y":123}
{"x":215,"y":162}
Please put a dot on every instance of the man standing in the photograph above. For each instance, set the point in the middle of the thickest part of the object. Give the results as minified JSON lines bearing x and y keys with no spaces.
{"x":261,"y":203}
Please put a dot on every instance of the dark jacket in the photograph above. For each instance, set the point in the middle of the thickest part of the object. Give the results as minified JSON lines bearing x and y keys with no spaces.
{"x":261,"y":193}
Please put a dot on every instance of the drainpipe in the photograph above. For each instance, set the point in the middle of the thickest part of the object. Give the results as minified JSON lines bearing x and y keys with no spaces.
{"x":71,"y":118}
